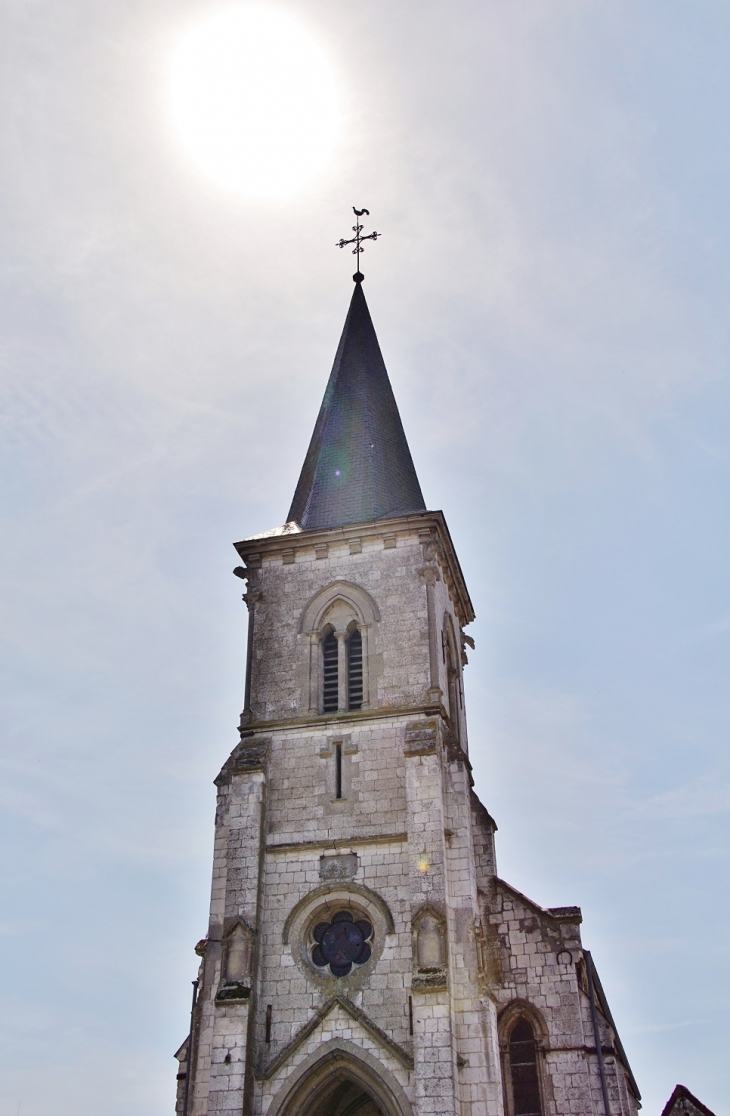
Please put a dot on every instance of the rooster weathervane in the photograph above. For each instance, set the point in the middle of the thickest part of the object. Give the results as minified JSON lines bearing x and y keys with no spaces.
{"x":357,"y":240}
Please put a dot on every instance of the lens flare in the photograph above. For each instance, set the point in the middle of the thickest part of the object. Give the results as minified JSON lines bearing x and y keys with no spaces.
{"x":253,"y":100}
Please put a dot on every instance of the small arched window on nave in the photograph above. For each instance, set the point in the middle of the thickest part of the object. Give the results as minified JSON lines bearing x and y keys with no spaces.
{"x":524,"y":1076}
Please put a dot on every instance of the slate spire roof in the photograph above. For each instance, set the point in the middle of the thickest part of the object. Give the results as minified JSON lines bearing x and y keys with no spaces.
{"x":358,"y":466}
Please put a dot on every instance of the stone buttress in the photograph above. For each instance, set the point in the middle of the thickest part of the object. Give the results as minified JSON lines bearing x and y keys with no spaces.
{"x":362,"y":956}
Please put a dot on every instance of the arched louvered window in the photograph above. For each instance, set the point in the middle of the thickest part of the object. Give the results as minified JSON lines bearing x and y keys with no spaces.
{"x":354,"y":670}
{"x":523,"y":1070}
{"x":330,"y":682}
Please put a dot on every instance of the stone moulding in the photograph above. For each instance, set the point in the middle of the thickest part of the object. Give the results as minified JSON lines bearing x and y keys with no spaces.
{"x":248,"y":756}
{"x":232,"y":993}
{"x":426,"y":737}
{"x":319,"y":905}
{"x":340,"y":1058}
{"x":404,"y":1056}
{"x":421,"y":738}
{"x":430,"y":982}
{"x":556,"y":914}
{"x":330,"y":722}
{"x":358,"y":598}
{"x":521,"y":1009}
{"x":430,"y":524}
{"x":334,"y":890}
{"x":341,"y":844}
{"x":565,"y":914}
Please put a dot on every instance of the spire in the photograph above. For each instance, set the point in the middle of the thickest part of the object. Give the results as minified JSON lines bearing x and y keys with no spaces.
{"x":358,"y":466}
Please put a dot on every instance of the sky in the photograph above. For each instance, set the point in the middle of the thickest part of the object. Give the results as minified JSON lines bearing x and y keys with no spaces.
{"x":550,"y":293}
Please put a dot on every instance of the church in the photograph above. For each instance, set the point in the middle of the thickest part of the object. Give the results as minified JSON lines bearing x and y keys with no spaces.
{"x":363,"y":956}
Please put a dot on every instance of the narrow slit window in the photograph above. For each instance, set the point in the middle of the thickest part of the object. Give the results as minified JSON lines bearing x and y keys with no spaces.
{"x":523,"y":1070}
{"x":354,"y":671}
{"x":338,"y":771}
{"x":454,"y":698}
{"x":330,"y":686}
{"x":454,"y":686}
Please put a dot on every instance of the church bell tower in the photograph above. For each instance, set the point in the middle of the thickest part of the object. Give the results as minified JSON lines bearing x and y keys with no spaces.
{"x":362,"y":957}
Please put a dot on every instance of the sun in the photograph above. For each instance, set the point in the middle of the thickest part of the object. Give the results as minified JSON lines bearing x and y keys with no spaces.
{"x":253,"y":100}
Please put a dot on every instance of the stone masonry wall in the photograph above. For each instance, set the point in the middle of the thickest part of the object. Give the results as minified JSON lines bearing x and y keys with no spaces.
{"x":406,"y":845}
{"x":389,"y":574}
{"x":538,"y":954}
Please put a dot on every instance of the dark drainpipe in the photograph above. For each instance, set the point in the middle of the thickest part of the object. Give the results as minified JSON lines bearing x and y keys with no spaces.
{"x":596,"y":1031}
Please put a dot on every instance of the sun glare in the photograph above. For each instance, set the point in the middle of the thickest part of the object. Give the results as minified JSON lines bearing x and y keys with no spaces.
{"x":254,"y":100}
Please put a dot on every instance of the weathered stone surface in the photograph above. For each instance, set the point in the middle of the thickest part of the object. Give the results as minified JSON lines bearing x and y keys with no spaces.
{"x":397,"y":821}
{"x":359,"y":936}
{"x":342,"y":867}
{"x":682,"y":1103}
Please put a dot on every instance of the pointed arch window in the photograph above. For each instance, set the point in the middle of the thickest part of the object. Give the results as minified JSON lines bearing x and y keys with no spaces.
{"x":349,"y":694}
{"x":524,"y":1075}
{"x":341,"y":623}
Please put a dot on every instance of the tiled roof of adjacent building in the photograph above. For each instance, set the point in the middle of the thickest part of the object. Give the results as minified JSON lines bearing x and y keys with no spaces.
{"x":358,"y":466}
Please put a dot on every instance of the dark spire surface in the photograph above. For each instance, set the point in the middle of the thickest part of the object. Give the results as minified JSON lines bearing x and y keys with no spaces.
{"x":358,"y":466}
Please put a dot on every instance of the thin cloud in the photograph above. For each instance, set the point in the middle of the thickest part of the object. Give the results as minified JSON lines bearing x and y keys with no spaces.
{"x":699,"y":798}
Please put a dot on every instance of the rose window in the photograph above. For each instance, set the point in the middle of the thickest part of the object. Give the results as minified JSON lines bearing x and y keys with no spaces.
{"x":341,"y":943}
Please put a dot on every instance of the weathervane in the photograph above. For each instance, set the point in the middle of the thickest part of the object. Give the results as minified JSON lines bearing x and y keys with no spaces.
{"x":357,"y":240}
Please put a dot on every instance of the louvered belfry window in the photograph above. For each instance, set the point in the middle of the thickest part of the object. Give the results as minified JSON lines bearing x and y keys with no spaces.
{"x":523,"y":1070}
{"x":354,"y":671}
{"x":330,"y":687}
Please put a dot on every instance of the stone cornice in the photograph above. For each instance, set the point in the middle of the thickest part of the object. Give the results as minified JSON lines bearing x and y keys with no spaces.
{"x":330,"y":721}
{"x":251,"y":753}
{"x":337,"y":843}
{"x":570,"y":915}
{"x":253,"y":550}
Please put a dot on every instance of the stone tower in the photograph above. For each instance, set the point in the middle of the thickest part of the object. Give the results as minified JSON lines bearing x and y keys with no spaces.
{"x":363,"y":958}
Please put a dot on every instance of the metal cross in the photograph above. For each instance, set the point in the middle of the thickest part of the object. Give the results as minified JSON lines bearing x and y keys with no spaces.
{"x":357,"y":240}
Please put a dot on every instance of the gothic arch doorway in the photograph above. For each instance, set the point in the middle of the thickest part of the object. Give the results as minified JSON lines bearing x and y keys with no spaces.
{"x":342,"y":1096}
{"x":341,"y":1082}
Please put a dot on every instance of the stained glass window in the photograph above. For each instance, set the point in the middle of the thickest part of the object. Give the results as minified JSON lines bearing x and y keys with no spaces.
{"x":341,"y":943}
{"x":523,"y":1067}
